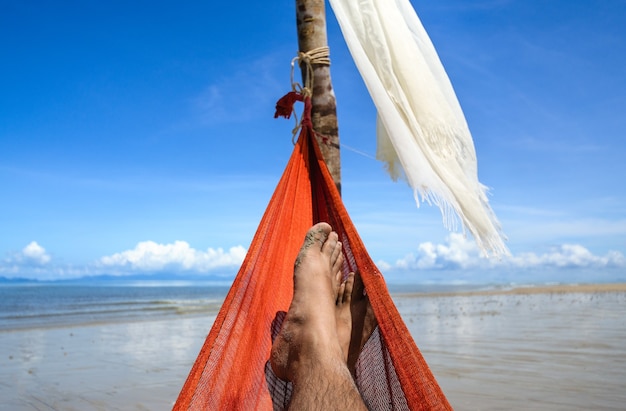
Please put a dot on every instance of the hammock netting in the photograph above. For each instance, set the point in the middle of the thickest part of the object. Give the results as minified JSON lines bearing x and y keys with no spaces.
{"x":232,"y":370}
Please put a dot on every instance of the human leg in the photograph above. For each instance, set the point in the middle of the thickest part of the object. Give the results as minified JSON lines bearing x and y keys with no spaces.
{"x":312,"y":347}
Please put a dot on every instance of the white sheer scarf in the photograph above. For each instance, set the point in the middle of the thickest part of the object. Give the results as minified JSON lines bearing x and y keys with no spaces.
{"x":421,"y":128}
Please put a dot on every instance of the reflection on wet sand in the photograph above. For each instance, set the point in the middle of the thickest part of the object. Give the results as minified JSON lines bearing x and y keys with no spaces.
{"x":126,"y":366}
{"x":549,"y":351}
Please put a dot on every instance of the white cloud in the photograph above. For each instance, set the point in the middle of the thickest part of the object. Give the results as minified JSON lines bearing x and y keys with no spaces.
{"x":35,"y":253}
{"x":32,"y":260}
{"x":149,"y":256}
{"x":460,"y":252}
{"x":146,"y":258}
{"x":569,"y":255}
{"x":457,"y":256}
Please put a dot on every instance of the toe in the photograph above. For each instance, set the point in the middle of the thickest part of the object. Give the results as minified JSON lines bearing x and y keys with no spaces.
{"x":336,"y":261}
{"x":336,"y":258}
{"x":347,"y":287}
{"x":330,"y":244}
{"x":318,"y":235}
{"x":340,"y":293}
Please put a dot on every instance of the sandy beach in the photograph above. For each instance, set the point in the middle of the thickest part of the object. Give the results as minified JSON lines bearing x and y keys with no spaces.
{"x":539,"y":348}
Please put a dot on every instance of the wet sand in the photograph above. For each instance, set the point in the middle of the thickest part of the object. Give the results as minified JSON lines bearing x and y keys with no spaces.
{"x":128,"y":366}
{"x":550,"y":348}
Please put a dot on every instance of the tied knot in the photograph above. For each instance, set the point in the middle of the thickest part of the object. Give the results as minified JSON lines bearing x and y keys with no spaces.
{"x":306,"y":60}
{"x":320,"y":55}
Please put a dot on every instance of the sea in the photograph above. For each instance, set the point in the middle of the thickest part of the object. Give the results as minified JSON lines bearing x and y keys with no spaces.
{"x":55,"y":304}
{"x":35,"y":305}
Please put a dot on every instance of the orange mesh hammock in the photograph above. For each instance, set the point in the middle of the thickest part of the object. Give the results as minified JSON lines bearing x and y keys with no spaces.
{"x":232,"y":371}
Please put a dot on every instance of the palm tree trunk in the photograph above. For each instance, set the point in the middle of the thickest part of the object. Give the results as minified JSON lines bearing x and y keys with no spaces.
{"x":311,"y":24}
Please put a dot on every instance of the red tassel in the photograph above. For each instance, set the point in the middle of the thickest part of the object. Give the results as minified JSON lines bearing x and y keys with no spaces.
{"x":284,"y":106}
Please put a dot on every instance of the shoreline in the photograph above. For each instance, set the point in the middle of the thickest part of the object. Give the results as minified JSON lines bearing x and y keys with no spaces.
{"x":212,"y":308}
{"x":524,"y":290}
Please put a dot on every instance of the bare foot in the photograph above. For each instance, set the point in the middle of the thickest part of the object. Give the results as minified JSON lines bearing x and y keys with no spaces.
{"x":309,"y":331}
{"x":363,"y":322}
{"x":343,"y":315}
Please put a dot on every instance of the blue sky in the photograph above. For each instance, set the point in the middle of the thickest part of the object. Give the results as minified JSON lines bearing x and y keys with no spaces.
{"x":138,"y":137}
